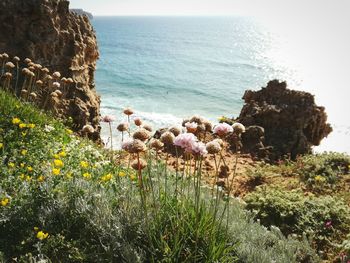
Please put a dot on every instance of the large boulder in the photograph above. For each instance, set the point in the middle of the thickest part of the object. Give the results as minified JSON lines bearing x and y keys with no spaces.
{"x":49,"y":34}
{"x":292,"y":123}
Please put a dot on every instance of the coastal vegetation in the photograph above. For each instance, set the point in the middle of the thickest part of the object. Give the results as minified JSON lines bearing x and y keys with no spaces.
{"x":64,"y":198}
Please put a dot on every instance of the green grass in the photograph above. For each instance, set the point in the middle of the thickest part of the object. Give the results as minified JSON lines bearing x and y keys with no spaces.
{"x":95,"y":211}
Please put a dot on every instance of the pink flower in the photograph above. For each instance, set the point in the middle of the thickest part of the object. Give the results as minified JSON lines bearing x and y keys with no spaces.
{"x":223,"y":129}
{"x":328,"y":224}
{"x":185,"y":141}
{"x":199,"y":148}
{"x":108,"y":118}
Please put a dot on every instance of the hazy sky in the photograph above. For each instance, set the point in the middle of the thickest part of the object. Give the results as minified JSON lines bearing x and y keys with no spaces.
{"x":212,"y":7}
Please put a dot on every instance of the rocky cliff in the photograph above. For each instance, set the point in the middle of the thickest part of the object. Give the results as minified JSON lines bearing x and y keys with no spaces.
{"x":49,"y":34}
{"x":283,"y":121}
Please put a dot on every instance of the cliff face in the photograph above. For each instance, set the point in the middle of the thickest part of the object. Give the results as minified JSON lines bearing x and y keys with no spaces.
{"x":291,"y":123}
{"x":49,"y":34}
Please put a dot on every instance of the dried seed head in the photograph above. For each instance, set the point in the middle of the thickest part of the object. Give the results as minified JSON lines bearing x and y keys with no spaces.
{"x":27,"y":60}
{"x":138,"y":122}
{"x":31,"y":68}
{"x":156,"y":144}
{"x":167,"y":138}
{"x":56,"y":75}
{"x":147,"y":127}
{"x":39,"y":82}
{"x":197,"y":119}
{"x":16,"y":59}
{"x":208,"y":126}
{"x":56,"y":85}
{"x":33,"y":95}
{"x":238,"y":128}
{"x":175,"y":130}
{"x":8,"y":75}
{"x":59,"y":93}
{"x":38,"y":66}
{"x":25,"y":71}
{"x":122,"y":127}
{"x":63,"y":79}
{"x":139,"y":165}
{"x":70,"y":81}
{"x":4,"y":55}
{"x":9,"y":65}
{"x":45,"y":70}
{"x":128,"y":111}
{"x":219,"y":141}
{"x":141,"y":135}
{"x":48,"y":78}
{"x":88,"y":129}
{"x":136,"y":146}
{"x":54,"y":94}
{"x":213,"y":147}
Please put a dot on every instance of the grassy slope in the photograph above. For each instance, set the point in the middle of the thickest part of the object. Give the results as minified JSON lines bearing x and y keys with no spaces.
{"x":92,"y":211}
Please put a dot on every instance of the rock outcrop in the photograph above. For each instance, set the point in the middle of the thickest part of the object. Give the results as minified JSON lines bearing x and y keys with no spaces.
{"x":49,"y":34}
{"x":290,"y":121}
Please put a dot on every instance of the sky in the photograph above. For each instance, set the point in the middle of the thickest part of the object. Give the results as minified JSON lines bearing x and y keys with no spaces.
{"x":212,"y":7}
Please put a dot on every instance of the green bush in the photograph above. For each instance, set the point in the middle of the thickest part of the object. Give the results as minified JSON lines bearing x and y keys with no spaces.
{"x":325,"y":219}
{"x":322,"y":169}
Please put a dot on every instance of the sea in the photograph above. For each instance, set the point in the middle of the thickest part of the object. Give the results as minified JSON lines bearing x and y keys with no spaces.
{"x":170,"y":68}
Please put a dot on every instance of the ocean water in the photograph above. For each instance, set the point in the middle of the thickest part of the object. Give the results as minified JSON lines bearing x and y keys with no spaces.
{"x":169,"y":68}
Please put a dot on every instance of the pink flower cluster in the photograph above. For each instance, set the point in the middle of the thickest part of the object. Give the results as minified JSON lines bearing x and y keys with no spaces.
{"x":223,"y":129}
{"x":189,"y":142}
{"x":108,"y":118}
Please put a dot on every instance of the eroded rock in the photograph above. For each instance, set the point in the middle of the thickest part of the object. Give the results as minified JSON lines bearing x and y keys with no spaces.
{"x":49,"y":34}
{"x":290,"y":121}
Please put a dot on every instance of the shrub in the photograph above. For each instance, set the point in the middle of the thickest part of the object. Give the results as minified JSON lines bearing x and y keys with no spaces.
{"x":324,"y":219}
{"x":322,"y":169}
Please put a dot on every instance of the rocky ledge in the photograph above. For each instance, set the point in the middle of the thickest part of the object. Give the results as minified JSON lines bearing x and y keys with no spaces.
{"x":281,"y":122}
{"x":49,"y":34}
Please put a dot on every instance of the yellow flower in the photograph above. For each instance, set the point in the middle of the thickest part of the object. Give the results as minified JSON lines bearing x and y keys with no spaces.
{"x":41,"y":179}
{"x":24,"y":152}
{"x":133,"y":177}
{"x":16,"y":121}
{"x":1,"y":145}
{"x":42,"y":235}
{"x":62,"y":154}
{"x":320,"y":179}
{"x":30,"y":169}
{"x":24,"y":134}
{"x":222,"y":118}
{"x":69,"y":131}
{"x":22,"y":176}
{"x":4,"y":201}
{"x":56,"y":171}
{"x":122,"y":174}
{"x":22,"y":125}
{"x":22,"y":165}
{"x":28,"y":178}
{"x":84,"y":164}
{"x":87,"y":175}
{"x":56,"y":156}
{"x":31,"y":125}
{"x":106,"y":178}
{"x":36,"y":228}
{"x":11,"y":165}
{"x":58,"y":163}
